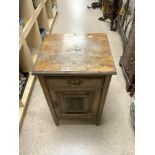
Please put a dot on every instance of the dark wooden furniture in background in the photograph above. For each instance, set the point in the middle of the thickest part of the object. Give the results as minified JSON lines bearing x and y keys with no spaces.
{"x":75,"y":72}
{"x":127,"y":60}
{"x":126,"y":27}
{"x":125,"y":19}
{"x":111,"y":9}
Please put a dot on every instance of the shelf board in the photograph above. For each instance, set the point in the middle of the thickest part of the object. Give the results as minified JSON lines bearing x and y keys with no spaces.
{"x":50,"y":22}
{"x":20,"y":104}
{"x":38,"y":10}
{"x":27,"y":90}
{"x":34,"y":58}
{"x":25,"y":97}
{"x":54,"y":11}
{"x":34,"y":53}
{"x":28,"y":27}
{"x":20,"y":43}
{"x":21,"y":114}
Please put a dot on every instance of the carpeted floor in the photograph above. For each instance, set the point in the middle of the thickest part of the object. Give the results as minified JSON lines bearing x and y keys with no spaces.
{"x":115,"y":135}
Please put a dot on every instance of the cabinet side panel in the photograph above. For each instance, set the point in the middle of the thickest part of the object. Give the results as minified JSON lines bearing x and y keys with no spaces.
{"x":103,"y":97}
{"x":48,"y":99}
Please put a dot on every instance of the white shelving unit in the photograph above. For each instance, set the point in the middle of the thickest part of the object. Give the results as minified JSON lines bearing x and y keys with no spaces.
{"x":35,"y":14}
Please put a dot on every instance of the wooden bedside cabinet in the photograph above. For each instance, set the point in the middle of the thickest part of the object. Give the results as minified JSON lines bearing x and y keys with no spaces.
{"x":74,"y":72}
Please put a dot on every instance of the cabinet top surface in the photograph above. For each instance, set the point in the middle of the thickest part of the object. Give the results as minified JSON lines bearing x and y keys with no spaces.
{"x":62,"y":54}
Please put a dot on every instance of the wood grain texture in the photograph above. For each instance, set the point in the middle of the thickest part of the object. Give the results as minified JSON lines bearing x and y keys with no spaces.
{"x":80,"y":91}
{"x":85,"y":54}
{"x":48,"y":99}
{"x":103,"y":98}
{"x":58,"y":95}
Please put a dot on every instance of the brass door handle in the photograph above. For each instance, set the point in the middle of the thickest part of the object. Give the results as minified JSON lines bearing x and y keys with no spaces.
{"x":74,"y":82}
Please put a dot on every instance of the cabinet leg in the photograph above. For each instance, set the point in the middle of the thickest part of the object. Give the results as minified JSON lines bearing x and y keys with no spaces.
{"x":57,"y":122}
{"x":120,"y":62}
{"x":97,"y":122}
{"x":132,"y":91}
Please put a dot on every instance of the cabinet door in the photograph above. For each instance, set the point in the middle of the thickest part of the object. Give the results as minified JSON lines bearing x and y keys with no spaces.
{"x":75,"y":102}
{"x":72,"y":102}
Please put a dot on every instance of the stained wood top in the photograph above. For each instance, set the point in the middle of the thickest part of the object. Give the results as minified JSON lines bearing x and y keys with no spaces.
{"x":75,"y":54}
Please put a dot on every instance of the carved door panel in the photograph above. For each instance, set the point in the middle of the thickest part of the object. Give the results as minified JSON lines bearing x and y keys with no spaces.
{"x":74,"y":102}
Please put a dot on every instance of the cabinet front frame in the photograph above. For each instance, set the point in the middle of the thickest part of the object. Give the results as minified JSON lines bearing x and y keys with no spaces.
{"x":106,"y":81}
